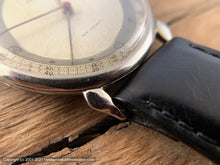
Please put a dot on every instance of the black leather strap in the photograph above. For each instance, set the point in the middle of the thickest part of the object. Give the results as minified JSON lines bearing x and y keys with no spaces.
{"x":178,"y":89}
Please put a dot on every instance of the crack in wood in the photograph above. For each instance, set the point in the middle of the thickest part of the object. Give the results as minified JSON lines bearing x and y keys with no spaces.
{"x":83,"y":138}
{"x":122,"y":126}
{"x":196,"y":13}
{"x":177,"y":19}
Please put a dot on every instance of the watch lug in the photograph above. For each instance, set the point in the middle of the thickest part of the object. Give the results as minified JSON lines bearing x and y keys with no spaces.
{"x":164,"y":31}
{"x":99,"y":100}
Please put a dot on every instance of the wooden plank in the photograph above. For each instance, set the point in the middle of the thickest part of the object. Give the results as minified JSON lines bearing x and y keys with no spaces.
{"x":201,"y":26}
{"x":130,"y":143}
{"x":195,"y":20}
{"x":30,"y":123}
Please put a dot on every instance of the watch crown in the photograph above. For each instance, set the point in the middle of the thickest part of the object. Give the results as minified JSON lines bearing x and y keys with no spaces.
{"x":164,"y":31}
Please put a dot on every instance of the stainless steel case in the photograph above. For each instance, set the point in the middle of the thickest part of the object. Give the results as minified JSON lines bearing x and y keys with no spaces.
{"x":76,"y":84}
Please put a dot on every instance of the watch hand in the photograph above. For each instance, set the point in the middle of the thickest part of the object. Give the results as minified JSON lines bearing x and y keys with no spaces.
{"x":68,"y":12}
{"x":32,"y":19}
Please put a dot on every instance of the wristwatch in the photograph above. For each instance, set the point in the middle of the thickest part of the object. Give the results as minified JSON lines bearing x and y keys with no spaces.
{"x":72,"y":47}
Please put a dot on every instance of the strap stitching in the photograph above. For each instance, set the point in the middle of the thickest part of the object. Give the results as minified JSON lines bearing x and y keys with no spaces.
{"x":204,"y":50}
{"x":184,"y":125}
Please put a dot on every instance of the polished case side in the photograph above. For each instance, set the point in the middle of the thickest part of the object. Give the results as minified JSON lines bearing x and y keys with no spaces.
{"x":73,"y":84}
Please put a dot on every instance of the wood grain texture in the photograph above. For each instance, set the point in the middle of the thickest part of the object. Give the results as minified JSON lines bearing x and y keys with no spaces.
{"x":31,"y":123}
{"x":129,"y":143}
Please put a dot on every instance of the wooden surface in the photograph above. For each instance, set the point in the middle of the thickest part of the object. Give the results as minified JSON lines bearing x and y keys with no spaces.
{"x":38,"y":126}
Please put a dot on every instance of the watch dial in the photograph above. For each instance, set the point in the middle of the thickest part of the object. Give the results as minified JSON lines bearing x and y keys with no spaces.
{"x":66,"y":38}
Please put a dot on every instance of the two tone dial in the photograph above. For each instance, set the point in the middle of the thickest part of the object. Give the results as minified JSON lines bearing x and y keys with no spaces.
{"x":69,"y":38}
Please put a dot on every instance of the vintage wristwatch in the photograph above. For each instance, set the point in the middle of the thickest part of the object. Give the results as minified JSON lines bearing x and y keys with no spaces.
{"x":84,"y":46}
